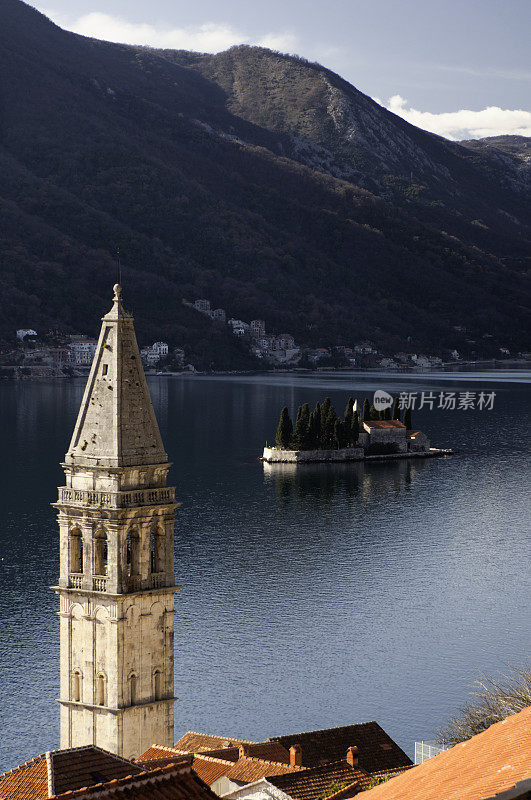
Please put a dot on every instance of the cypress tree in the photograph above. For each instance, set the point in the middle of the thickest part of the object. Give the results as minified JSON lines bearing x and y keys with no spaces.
{"x":339,"y":434}
{"x":301,"y":427}
{"x":329,"y":428}
{"x":284,"y":430}
{"x":313,"y":431}
{"x":373,"y":414}
{"x":396,"y":410}
{"x":407,"y":418}
{"x":349,"y":412}
{"x":387,"y":413}
{"x":317,"y":425}
{"x":325,"y":408}
{"x":355,"y":428}
{"x":366,"y":415}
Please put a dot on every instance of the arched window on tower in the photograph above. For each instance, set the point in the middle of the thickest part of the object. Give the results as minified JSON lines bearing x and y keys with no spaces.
{"x":157,"y":685}
{"x":100,"y":552}
{"x":77,"y":686}
{"x":75,"y":549}
{"x":132,"y":545}
{"x":133,"y":694}
{"x":101,"y":689}
{"x":157,"y":550}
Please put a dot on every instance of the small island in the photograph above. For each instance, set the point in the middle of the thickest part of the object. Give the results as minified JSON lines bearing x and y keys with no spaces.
{"x":321,"y":435}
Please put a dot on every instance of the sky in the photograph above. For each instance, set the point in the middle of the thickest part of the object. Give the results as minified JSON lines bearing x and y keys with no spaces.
{"x":460,"y":68}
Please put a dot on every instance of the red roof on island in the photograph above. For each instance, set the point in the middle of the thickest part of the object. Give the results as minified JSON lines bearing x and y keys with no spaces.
{"x":383,"y":423}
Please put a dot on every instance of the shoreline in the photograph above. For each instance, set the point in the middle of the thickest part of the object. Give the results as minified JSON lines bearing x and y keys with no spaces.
{"x":447,"y":370}
{"x":343,"y":456}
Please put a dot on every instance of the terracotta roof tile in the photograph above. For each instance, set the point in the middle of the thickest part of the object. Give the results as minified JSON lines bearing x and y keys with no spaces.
{"x":172,"y":782}
{"x":493,"y":762}
{"x":194,"y":742}
{"x":248,"y":769}
{"x":327,"y":779}
{"x":376,"y":749}
{"x":384,"y":423}
{"x":29,"y":781}
{"x":60,"y":770}
{"x":158,"y":751}
{"x":210,"y":769}
{"x":270,"y":751}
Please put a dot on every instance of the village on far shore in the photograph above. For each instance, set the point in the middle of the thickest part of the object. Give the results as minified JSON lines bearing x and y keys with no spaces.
{"x":55,"y":354}
{"x":321,"y":435}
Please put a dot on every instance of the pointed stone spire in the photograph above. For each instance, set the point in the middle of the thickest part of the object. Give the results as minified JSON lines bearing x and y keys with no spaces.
{"x":116,"y":425}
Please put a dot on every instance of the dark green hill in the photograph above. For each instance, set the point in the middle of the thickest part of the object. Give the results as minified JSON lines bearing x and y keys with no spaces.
{"x":103,"y":145}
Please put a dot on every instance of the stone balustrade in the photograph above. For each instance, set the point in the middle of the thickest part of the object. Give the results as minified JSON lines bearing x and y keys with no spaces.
{"x":156,"y":580}
{"x":99,"y":583}
{"x":137,"y":497}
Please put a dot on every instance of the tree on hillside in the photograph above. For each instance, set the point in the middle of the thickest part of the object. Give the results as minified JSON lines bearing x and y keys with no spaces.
{"x":395,"y":414}
{"x":284,"y":430}
{"x":407,"y":418}
{"x":366,"y":413}
{"x":387,"y":413}
{"x":493,"y":699}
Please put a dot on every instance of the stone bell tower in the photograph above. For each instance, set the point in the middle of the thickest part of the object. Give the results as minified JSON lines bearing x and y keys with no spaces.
{"x":116,"y":585}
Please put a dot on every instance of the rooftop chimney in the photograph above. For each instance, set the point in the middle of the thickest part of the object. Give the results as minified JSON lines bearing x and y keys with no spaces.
{"x":244,"y":750}
{"x":352,"y":756}
{"x":295,"y":755}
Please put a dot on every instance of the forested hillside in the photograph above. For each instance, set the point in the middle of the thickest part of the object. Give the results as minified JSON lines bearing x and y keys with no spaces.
{"x":335,"y":231}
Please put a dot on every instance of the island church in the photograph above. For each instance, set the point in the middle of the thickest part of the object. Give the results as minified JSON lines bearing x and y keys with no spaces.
{"x":116,"y":585}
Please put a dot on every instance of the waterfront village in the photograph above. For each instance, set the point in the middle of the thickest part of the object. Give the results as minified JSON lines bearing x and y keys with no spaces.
{"x":116,"y":591}
{"x":56,"y":354}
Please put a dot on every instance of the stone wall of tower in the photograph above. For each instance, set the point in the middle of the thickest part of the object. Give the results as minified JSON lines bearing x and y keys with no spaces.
{"x":116,"y":584}
{"x":119,"y":640}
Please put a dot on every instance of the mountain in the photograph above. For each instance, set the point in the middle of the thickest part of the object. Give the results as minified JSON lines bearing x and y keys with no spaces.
{"x":267,"y":184}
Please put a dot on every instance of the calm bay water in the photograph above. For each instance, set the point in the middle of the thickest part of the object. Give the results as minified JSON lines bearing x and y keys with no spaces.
{"x":312,"y":597}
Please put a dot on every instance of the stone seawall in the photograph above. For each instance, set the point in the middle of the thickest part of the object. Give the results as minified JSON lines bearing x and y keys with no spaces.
{"x":274,"y":456}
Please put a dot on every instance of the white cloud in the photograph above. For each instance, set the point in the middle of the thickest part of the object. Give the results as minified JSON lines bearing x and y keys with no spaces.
{"x":284,"y":42}
{"x":464,"y":124}
{"x":209,"y":37}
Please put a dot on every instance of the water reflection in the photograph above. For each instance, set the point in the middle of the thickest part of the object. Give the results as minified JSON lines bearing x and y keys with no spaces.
{"x":325,"y":482}
{"x":313,"y":595}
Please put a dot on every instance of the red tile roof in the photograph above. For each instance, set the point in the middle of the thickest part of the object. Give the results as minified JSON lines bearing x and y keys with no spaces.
{"x":492,"y":764}
{"x":29,"y":781}
{"x":377,"y":751}
{"x":248,"y":769}
{"x":269,"y":751}
{"x":59,"y":770}
{"x":158,"y":751}
{"x":208,"y":768}
{"x":384,"y":423}
{"x":323,"y":781}
{"x":194,"y":742}
{"x":172,"y":782}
